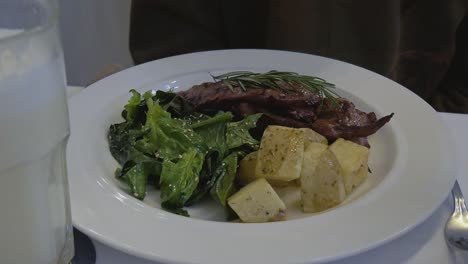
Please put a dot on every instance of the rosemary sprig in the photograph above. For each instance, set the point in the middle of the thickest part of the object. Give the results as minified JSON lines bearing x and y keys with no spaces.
{"x":278,"y":80}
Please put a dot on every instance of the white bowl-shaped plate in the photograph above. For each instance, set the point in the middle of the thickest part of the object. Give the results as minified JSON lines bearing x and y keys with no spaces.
{"x":411,"y":161}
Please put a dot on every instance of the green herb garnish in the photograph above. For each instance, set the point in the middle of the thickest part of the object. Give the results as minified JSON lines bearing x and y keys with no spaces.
{"x":278,"y":80}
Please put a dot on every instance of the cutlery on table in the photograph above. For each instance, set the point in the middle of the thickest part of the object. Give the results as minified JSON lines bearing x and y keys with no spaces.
{"x":456,"y":228}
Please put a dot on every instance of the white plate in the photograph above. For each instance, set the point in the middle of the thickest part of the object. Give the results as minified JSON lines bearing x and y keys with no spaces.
{"x":410,"y":157}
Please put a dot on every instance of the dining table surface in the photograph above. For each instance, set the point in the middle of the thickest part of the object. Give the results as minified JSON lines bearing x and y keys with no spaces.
{"x":423,"y":244}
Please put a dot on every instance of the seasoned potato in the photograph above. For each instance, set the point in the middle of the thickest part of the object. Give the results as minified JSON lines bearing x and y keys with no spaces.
{"x":280,"y":154}
{"x":312,"y":136}
{"x":353,"y":159}
{"x":247,"y":172}
{"x":279,"y":183}
{"x":290,"y":195}
{"x":322,"y":184}
{"x":247,"y":168}
{"x":258,"y":202}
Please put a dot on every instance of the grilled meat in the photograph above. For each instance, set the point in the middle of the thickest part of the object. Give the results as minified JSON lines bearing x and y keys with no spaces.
{"x":296,"y":107}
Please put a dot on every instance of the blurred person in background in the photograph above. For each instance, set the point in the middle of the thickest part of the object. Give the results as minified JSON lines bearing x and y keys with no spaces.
{"x":421,"y":44}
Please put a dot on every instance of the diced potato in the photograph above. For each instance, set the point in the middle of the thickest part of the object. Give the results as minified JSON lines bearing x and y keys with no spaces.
{"x":247,"y":172}
{"x":280,"y":154}
{"x":312,"y":136}
{"x":322,"y":184}
{"x":247,"y":168}
{"x":258,"y":202}
{"x":290,"y":195}
{"x":279,"y":183}
{"x":353,"y":158}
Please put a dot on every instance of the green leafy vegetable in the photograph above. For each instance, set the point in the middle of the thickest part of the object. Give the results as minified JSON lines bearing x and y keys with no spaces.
{"x":122,"y":139}
{"x":119,"y":142}
{"x":131,"y":107}
{"x":238,"y":132}
{"x":207,"y":177}
{"x":225,"y":185}
{"x":185,"y":154}
{"x":135,"y":110}
{"x":168,"y":137}
{"x":220,"y":118}
{"x":213,"y":132}
{"x":179,"y":180}
{"x":177,"y":106}
{"x":147,"y":95}
{"x":136,"y":178}
{"x":174,"y":104}
{"x":153,"y":170}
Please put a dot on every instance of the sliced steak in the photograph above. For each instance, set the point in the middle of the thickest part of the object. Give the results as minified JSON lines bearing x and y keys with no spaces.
{"x":217,"y":94}
{"x":295,"y":108}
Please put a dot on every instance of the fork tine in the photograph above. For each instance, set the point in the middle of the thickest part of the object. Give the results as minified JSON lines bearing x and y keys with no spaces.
{"x":459,"y":200}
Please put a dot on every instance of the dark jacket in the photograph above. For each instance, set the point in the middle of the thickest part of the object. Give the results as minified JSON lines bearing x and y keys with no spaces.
{"x":422,"y":44}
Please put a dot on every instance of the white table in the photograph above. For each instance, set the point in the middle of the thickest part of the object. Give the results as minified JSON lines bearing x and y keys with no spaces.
{"x":425,"y":244}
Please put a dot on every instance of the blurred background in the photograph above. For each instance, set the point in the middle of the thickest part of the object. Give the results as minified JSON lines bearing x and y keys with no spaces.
{"x":421,"y":44}
{"x":94,"y":34}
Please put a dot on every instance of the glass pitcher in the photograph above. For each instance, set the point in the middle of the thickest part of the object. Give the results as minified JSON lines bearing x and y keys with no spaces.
{"x":35,"y":222}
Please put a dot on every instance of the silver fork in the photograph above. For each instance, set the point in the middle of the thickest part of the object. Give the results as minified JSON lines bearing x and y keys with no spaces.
{"x":456,"y":228}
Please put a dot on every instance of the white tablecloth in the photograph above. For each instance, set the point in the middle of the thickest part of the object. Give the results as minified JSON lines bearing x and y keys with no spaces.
{"x":425,"y":244}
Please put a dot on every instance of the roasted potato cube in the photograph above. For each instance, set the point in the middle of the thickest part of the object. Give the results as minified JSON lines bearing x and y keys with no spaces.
{"x":257,"y":202}
{"x":290,"y":195}
{"x":247,"y":172}
{"x":279,"y":183}
{"x":312,"y":136}
{"x":353,"y":158}
{"x":322,"y":184}
{"x":280,"y":154}
{"x":247,"y":168}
